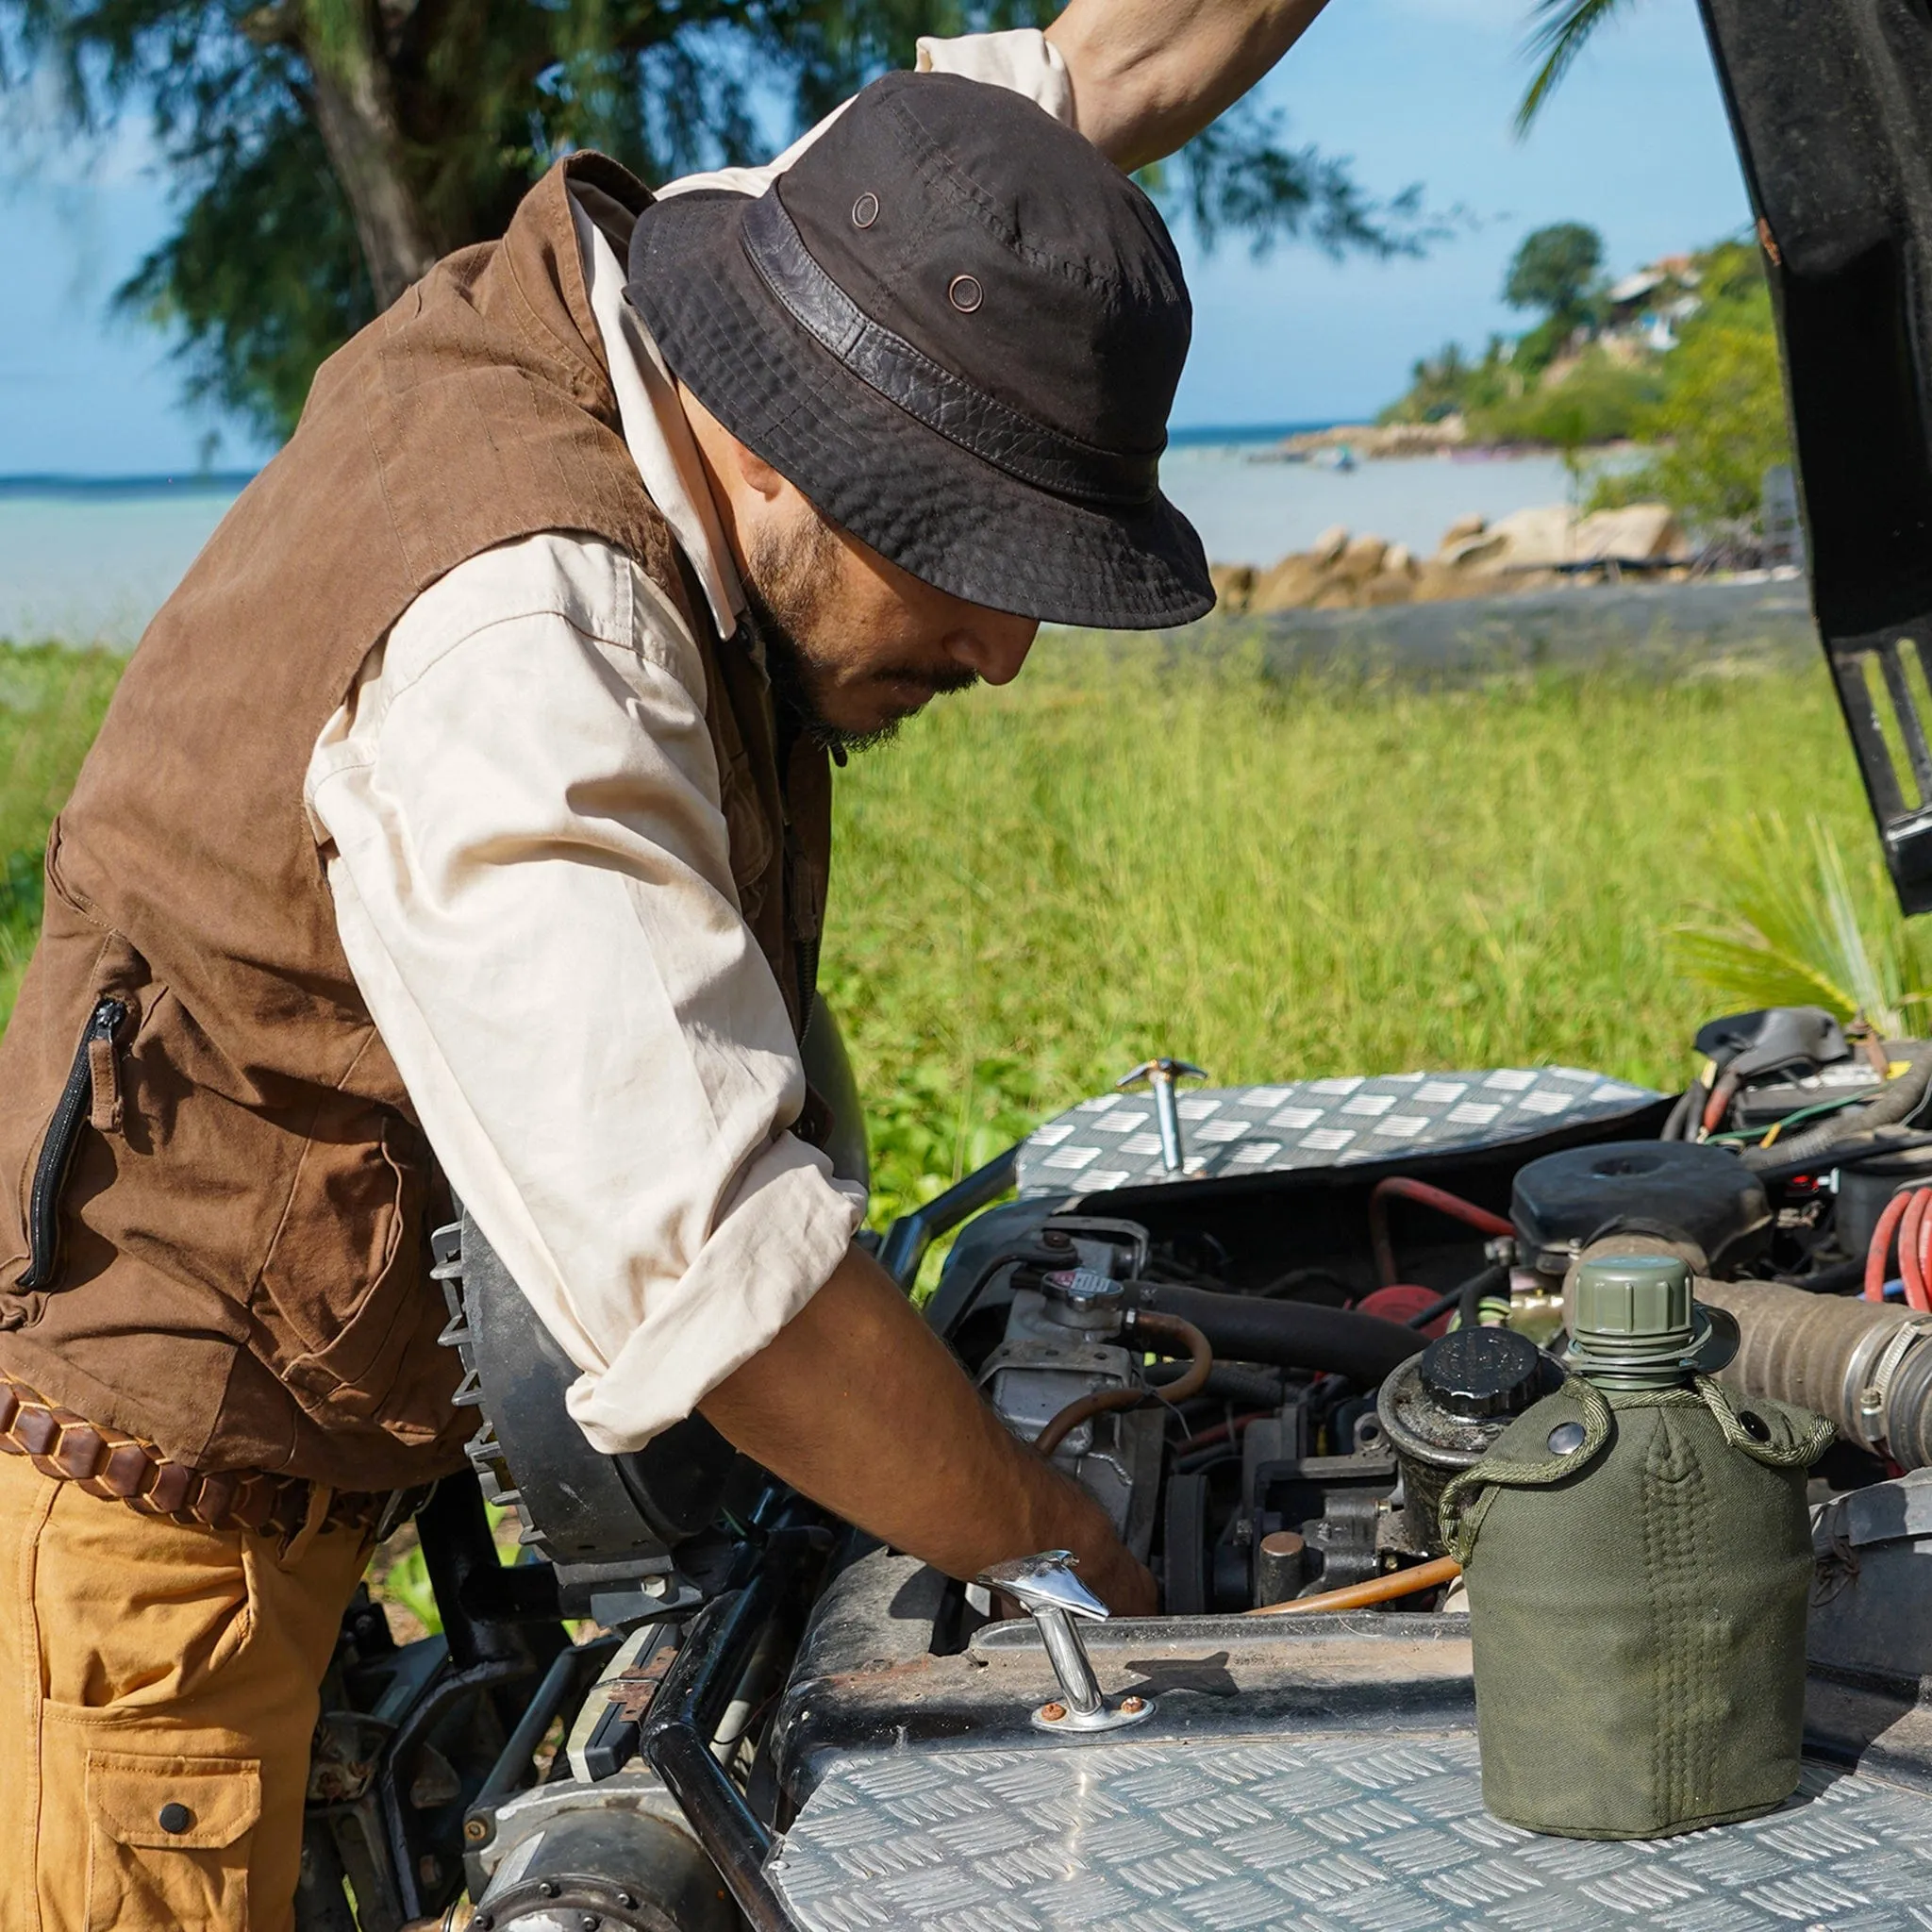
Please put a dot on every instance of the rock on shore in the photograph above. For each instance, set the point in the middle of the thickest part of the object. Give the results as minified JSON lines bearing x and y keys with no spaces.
{"x":1528,"y":550}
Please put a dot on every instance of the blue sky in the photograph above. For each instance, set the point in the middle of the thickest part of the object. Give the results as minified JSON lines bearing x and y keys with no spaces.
{"x":1413,"y":90}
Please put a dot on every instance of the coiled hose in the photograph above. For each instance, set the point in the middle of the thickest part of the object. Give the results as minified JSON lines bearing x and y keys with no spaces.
{"x":1167,"y":1334}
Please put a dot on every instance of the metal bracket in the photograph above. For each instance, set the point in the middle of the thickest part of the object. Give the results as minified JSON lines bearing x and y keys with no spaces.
{"x":1046,"y":1589}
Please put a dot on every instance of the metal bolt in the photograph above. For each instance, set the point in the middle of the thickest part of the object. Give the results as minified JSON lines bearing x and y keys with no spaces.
{"x":1056,"y":1238}
{"x":476,"y":1830}
{"x":1133,"y":1706}
{"x":627,"y":1900}
{"x":1053,"y":1713}
{"x":588,"y":1922}
{"x":548,"y":1889}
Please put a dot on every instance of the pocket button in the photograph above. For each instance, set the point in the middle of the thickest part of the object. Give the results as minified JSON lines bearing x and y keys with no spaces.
{"x":174,"y":1818}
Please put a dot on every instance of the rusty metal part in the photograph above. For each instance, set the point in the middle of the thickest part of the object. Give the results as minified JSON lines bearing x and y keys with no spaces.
{"x":123,"y":1469}
{"x":1174,"y":1336}
{"x":1378,"y":1590}
{"x":631,"y":1692}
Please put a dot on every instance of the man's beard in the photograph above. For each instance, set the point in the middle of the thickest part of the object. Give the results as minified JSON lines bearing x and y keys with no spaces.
{"x":784,"y":587}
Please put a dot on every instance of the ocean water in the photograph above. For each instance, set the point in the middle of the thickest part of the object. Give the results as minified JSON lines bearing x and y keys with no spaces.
{"x":94,"y":561}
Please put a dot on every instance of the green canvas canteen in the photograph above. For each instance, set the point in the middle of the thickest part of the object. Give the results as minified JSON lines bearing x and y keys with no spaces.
{"x":1637,"y":1556}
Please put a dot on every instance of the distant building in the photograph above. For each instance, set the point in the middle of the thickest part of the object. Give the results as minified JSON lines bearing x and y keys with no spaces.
{"x":1648,"y":304}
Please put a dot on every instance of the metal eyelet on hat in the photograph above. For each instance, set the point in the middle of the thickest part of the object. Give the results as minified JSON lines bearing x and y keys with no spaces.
{"x":964,"y":294}
{"x":865,"y":211}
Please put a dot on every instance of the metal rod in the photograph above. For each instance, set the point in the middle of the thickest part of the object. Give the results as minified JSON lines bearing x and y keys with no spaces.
{"x":1068,"y":1654}
{"x":1167,"y":1117}
{"x":690,"y":1705}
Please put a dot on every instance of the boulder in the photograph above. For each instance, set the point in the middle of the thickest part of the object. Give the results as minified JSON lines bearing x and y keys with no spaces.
{"x":1327,"y":547}
{"x":1399,"y":562}
{"x":1291,"y":585}
{"x":1533,"y":538}
{"x":1392,"y":587}
{"x":1361,"y":559}
{"x":1463,"y":529}
{"x":1234,"y":587}
{"x":1637,"y":533}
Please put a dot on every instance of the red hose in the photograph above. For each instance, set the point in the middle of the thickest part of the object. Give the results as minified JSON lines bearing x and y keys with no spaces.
{"x":1399,"y":1187}
{"x":1911,"y":1235}
{"x":1880,"y":1251}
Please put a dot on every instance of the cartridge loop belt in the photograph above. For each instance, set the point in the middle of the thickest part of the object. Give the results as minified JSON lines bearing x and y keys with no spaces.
{"x":123,"y":1469}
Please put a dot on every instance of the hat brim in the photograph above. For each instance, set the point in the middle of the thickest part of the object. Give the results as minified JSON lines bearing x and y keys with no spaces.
{"x":949,"y":517}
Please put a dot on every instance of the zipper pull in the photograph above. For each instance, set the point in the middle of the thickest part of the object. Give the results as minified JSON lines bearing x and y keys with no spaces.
{"x":104,"y":1067}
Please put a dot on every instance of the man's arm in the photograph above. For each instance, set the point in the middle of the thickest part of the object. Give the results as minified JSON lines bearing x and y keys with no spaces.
{"x":1149,"y":75}
{"x":858,"y":1404}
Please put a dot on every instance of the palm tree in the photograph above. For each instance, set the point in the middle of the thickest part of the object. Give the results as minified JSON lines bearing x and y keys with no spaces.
{"x":1558,"y":33}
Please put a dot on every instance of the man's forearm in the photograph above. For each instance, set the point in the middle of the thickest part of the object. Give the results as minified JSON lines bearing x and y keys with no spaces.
{"x":858,"y":1404}
{"x":1149,"y":75}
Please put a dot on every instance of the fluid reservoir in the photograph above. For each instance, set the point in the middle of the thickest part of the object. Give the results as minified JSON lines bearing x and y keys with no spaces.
{"x":1443,"y":1409}
{"x":1638,"y":1558}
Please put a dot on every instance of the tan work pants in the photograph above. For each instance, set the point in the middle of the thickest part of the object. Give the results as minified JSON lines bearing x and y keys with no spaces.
{"x":159,"y":1687}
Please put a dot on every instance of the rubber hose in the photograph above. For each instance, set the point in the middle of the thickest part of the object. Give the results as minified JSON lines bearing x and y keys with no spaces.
{"x":1285,"y":1334}
{"x":1171,"y":1336}
{"x":1245,"y":1387}
{"x":1892,"y":1104}
{"x":1399,"y":1188}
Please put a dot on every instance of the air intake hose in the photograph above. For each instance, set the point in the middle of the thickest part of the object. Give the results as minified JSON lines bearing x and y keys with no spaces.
{"x":1285,"y":1334}
{"x":1866,"y":1365}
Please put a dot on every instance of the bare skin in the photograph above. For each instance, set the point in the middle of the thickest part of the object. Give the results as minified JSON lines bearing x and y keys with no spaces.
{"x":1149,"y":75}
{"x":859,"y":1404}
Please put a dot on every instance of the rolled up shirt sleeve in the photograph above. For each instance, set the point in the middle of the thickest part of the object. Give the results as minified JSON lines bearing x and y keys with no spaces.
{"x":519,"y":809}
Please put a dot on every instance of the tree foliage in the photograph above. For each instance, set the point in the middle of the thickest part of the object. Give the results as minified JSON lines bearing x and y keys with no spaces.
{"x":1559,"y":31}
{"x":1553,"y":270}
{"x":324,"y":153}
{"x":1720,"y":420}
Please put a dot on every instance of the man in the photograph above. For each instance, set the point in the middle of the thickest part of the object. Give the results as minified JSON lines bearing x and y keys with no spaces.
{"x":462,"y":823}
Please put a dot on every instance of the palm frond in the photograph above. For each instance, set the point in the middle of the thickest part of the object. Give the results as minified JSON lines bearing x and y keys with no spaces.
{"x":1799,"y":930}
{"x":1562,"y":28}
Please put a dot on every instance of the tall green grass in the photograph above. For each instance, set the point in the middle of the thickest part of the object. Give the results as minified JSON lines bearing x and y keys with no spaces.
{"x":1138,"y":850}
{"x":1144,"y":847}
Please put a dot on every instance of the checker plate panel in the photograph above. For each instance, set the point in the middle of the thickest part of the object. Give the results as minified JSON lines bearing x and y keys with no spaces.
{"x":1355,"y":1833}
{"x":1113,"y":1141}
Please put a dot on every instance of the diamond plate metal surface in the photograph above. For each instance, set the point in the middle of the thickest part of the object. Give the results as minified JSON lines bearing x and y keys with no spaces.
{"x":1111,"y":1142}
{"x":1314,"y":1834}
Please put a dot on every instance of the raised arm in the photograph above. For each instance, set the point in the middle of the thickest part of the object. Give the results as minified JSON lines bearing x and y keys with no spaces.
{"x":1149,"y":75}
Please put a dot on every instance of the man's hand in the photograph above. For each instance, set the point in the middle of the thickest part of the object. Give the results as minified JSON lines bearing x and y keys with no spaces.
{"x":1149,"y":75}
{"x":857,"y":1404}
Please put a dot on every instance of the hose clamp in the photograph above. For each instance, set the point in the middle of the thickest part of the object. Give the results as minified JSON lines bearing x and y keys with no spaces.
{"x":1876,"y":1397}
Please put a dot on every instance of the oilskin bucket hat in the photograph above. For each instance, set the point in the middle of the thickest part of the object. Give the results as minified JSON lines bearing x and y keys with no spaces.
{"x":957,"y":327}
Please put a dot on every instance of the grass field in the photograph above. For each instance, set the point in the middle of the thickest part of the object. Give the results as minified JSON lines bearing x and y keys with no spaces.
{"x":1142,"y":849}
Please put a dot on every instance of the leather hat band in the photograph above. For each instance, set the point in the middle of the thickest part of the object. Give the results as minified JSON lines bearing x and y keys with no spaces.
{"x":907,"y":375}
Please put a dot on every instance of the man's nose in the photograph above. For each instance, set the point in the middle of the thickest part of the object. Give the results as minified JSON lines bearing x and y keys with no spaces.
{"x":994,"y":646}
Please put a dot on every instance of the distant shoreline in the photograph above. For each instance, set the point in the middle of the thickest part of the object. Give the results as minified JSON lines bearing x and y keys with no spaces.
{"x":107,"y":488}
{"x":228,"y":482}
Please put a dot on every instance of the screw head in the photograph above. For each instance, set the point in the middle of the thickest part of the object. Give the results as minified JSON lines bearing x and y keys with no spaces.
{"x":1133,"y":1706}
{"x":548,"y":1889}
{"x":1053,"y":1713}
{"x":476,"y":1830}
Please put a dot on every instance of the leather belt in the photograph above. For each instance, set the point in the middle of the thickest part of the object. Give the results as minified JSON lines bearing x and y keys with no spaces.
{"x":123,"y":1469}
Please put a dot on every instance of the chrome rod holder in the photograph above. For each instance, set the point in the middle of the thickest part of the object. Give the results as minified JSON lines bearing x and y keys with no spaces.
{"x":1046,"y":1589}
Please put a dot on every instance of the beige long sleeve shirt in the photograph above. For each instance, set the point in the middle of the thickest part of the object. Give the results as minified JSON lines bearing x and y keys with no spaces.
{"x":518,"y":810}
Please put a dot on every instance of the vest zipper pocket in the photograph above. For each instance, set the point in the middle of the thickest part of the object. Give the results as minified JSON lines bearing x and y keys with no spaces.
{"x":72,"y":1111}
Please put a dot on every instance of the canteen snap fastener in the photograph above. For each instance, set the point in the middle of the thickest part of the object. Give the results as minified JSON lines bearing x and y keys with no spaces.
{"x":865,"y":211}
{"x":1566,"y":1439}
{"x":1754,"y":1425}
{"x":965,"y":294}
{"x":174,"y":1818}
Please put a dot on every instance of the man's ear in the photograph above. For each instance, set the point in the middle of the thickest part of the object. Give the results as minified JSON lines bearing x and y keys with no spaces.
{"x":758,"y":476}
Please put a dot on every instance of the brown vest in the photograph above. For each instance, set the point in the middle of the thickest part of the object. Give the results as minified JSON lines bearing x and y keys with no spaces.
{"x":244,"y":1274}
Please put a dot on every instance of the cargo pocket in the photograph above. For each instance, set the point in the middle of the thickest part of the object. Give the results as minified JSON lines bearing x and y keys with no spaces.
{"x":168,"y":1842}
